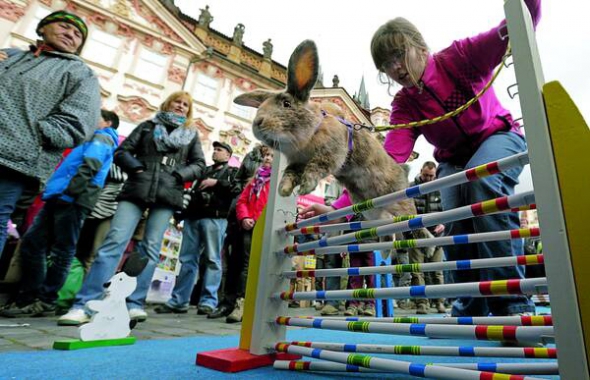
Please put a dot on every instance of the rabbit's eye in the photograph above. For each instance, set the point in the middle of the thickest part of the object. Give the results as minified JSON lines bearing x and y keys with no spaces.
{"x":286,"y":104}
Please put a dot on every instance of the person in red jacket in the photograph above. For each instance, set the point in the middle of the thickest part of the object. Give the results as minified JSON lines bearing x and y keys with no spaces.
{"x":249,"y":206}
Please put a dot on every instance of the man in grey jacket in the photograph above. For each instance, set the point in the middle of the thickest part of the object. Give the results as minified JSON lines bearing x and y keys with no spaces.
{"x":49,"y":101}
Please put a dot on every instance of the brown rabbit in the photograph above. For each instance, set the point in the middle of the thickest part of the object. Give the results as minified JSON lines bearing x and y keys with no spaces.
{"x":316,"y":143}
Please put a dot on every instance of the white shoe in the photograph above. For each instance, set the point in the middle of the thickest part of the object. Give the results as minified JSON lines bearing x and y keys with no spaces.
{"x":138,"y":315}
{"x":74,"y":317}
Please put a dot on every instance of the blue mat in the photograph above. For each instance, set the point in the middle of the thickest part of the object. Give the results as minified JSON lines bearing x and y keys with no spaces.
{"x":175,"y":359}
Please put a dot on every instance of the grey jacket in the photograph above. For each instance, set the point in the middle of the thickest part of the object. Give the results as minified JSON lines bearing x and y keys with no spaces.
{"x":47,"y":104}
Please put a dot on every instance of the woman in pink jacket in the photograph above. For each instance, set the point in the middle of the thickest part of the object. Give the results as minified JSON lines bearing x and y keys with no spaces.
{"x":432,"y":85}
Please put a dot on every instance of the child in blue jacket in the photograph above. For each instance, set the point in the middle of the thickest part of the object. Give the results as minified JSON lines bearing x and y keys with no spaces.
{"x":69,"y":196}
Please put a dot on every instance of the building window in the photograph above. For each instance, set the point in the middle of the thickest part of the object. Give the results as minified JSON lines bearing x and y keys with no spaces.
{"x":205,"y":89}
{"x":238,"y":110}
{"x":150,"y":66}
{"x":102,"y":48}
{"x":39,"y":14}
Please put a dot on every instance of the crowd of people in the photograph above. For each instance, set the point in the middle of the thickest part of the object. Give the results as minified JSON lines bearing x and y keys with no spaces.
{"x":103,"y":188}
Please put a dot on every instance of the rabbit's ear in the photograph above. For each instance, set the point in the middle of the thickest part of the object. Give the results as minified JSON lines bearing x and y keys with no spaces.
{"x":303,"y":70}
{"x":253,"y":99}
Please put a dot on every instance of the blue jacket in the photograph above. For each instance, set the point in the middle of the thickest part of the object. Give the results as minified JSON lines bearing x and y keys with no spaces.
{"x":82,"y":174}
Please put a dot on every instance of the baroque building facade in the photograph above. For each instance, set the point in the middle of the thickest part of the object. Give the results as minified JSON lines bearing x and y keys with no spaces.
{"x":143,"y":50}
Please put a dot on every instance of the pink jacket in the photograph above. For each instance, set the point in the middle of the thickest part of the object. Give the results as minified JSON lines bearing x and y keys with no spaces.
{"x":452,"y":77}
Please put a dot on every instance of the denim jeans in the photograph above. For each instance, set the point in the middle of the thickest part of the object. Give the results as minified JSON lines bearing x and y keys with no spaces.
{"x":197,"y":234}
{"x":497,"y":146}
{"x":110,"y":252}
{"x":52,"y":237}
{"x":12,"y":185}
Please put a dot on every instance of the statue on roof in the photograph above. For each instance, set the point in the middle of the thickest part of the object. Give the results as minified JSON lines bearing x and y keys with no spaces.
{"x":267,"y":48}
{"x":335,"y":81}
{"x":205,"y":17}
{"x":238,"y":34}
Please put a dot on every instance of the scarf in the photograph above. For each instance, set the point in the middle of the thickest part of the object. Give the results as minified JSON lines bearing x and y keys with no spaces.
{"x":180,"y":135}
{"x":41,"y":47}
{"x":261,"y":178}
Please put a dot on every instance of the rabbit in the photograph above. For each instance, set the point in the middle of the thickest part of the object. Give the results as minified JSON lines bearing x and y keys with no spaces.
{"x":316,"y":142}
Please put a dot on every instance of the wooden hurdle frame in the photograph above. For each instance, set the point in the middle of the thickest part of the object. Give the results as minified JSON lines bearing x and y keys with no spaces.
{"x":557,"y":125}
{"x":557,"y":129}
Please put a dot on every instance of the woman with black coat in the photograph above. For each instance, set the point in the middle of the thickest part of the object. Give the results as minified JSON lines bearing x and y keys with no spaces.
{"x":159,"y":156}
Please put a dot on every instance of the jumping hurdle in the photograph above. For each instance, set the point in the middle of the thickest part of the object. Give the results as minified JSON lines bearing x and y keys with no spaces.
{"x":263,"y":329}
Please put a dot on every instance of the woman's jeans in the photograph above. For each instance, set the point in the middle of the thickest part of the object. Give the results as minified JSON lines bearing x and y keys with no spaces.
{"x":497,"y":146}
{"x":109,"y":254}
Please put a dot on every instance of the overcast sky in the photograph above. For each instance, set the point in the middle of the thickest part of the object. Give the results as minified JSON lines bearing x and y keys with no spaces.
{"x":343,"y":30}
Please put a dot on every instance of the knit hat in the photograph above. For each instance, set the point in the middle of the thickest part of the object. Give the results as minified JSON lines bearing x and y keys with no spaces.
{"x":63,"y":16}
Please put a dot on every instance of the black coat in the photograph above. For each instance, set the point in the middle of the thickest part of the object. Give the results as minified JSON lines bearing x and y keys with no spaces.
{"x":164,"y":173}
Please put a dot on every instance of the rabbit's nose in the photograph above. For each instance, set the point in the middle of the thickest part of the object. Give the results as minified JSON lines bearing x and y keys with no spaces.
{"x":106,"y":284}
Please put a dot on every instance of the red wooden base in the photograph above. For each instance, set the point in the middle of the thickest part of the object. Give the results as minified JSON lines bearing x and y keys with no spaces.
{"x":236,"y":360}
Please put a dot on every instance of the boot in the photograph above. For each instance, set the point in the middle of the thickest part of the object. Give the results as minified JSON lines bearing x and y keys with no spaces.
{"x":236,"y":315}
{"x":440,"y":307}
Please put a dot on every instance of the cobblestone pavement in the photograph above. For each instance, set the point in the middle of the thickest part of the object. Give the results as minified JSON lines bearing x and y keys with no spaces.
{"x":42,"y":332}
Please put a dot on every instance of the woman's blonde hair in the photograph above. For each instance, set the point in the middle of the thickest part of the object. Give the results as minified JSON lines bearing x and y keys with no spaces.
{"x":394,"y":35}
{"x":173,"y":97}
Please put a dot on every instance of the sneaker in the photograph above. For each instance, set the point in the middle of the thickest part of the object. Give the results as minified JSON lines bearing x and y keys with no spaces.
{"x":421,"y":309}
{"x":34,"y":309}
{"x":137,"y":314}
{"x":351,"y":311}
{"x":236,"y":315}
{"x":440,"y":308}
{"x":166,"y":309}
{"x":369,"y":311}
{"x":329,"y":310}
{"x":74,"y":317}
{"x":204,"y":310}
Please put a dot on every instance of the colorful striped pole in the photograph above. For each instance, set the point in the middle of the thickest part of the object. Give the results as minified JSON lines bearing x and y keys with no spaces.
{"x":398,"y":366}
{"x":464,"y":351}
{"x":530,"y":334}
{"x":505,"y":368}
{"x":419,"y":243}
{"x":356,"y":226}
{"x":420,"y":221}
{"x":524,"y":320}
{"x":527,"y":286}
{"x":415,"y":268}
{"x":470,"y":175}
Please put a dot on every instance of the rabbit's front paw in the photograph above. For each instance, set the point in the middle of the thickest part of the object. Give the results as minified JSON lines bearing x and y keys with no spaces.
{"x":286,"y":186}
{"x":308,"y":184}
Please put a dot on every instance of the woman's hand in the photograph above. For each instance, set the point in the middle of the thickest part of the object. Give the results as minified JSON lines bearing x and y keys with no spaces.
{"x":318,"y":209}
{"x":248,"y":223}
{"x":314,"y":210}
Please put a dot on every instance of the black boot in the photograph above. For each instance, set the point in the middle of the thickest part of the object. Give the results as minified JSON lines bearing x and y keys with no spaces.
{"x":222,"y":310}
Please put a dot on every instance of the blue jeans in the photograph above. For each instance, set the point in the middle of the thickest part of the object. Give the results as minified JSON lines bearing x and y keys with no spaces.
{"x":52,"y":237}
{"x":197,"y":234}
{"x":12,"y":185}
{"x":500,"y":145}
{"x":110,"y":252}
